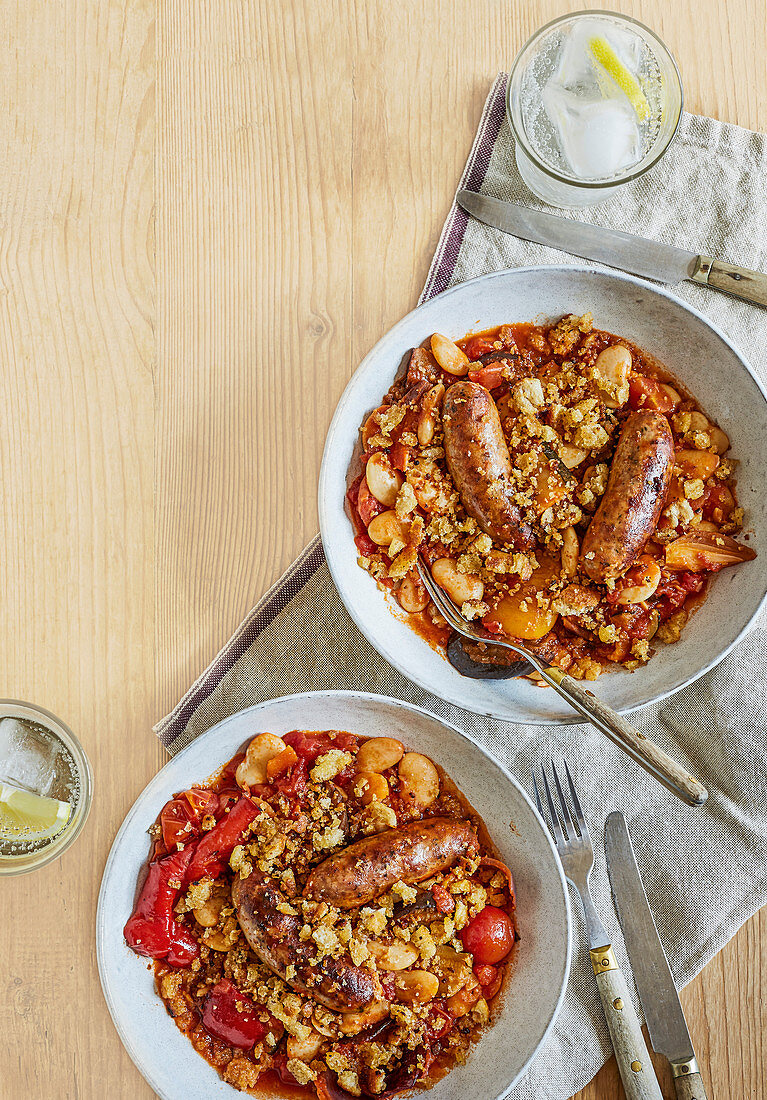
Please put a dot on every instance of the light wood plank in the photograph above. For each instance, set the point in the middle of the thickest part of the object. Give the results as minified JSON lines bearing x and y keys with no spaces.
{"x":158,"y":478}
{"x":76,"y":446}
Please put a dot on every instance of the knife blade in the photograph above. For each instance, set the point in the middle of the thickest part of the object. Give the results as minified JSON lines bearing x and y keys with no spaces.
{"x":662,"y":1009}
{"x":625,"y":251}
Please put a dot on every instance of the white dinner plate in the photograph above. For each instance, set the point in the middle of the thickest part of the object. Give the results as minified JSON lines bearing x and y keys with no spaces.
{"x":536,"y":988}
{"x":693,"y":349}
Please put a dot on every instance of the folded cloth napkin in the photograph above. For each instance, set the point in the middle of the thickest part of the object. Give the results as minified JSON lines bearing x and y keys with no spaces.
{"x":705,"y":871}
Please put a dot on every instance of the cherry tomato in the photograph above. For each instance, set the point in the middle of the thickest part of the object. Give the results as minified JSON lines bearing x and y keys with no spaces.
{"x":490,"y":376}
{"x":178,"y":823}
{"x":477,"y":346}
{"x":646,"y":393}
{"x":230,"y":1016}
{"x":490,"y":936}
{"x":489,"y":977}
{"x":310,"y":745}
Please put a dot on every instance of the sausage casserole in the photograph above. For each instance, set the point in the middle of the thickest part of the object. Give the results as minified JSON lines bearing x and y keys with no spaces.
{"x":327,"y":918}
{"x":561,"y":489}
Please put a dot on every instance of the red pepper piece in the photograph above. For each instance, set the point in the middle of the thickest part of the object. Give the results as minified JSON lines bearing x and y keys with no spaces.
{"x":443,"y":899}
{"x":213,"y":851}
{"x":230,"y":1016}
{"x":152,"y":929}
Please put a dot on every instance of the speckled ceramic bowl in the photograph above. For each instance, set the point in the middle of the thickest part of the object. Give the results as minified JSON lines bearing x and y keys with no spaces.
{"x":536,"y":988}
{"x":690,"y":346}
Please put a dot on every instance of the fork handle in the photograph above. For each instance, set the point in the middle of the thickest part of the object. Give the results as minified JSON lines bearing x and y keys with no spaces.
{"x":639,"y":747}
{"x":634,"y":1062}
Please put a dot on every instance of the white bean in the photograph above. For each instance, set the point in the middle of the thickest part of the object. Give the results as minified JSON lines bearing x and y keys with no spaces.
{"x":354,"y":1022}
{"x":427,"y":418}
{"x":208,"y":913}
{"x":379,"y":753}
{"x":719,"y":440}
{"x":459,"y":586}
{"x":694,"y":464}
{"x":372,"y":787}
{"x":698,"y":422}
{"x":259,"y":752}
{"x":385,"y":528}
{"x":648,"y":582}
{"x":419,"y":778}
{"x":304,"y":1049}
{"x":412,"y":595}
{"x":393,"y":956}
{"x":416,"y":986}
{"x":449,"y":355}
{"x":383,"y":480}
{"x":613,"y":366}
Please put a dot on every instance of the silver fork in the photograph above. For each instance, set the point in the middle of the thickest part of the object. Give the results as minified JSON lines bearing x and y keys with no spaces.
{"x":639,"y":747}
{"x":577,"y":855}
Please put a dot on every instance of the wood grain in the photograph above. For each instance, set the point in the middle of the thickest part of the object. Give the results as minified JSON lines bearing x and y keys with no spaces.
{"x":166,"y":397}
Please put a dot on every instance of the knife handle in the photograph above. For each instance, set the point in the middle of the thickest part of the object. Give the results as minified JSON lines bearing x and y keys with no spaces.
{"x":738,"y":281}
{"x":688,"y":1081}
{"x":634,"y":1062}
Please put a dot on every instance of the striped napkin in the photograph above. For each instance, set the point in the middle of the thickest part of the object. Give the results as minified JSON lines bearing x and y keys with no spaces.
{"x":705,"y":871}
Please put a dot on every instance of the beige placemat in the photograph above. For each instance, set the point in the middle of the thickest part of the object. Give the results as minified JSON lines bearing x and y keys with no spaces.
{"x":705,"y":871}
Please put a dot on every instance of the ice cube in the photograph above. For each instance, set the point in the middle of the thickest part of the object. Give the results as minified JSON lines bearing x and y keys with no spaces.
{"x":578,"y":70}
{"x":598,"y":137}
{"x":27,"y":757}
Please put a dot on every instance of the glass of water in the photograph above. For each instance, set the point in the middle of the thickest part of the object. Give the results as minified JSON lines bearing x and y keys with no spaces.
{"x":45,"y":787}
{"x":594,"y":100}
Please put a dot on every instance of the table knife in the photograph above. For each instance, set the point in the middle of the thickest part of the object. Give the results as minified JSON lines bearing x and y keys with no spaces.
{"x":657,"y":992}
{"x":651,"y":259}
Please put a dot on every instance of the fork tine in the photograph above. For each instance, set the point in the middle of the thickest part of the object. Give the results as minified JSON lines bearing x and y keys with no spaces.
{"x":566,"y":816}
{"x":441,"y":599}
{"x":582,"y":826}
{"x":555,"y":825}
{"x":538,"y":797}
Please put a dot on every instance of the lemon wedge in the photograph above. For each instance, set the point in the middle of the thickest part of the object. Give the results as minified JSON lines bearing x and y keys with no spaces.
{"x":30,"y":817}
{"x":606,"y":56}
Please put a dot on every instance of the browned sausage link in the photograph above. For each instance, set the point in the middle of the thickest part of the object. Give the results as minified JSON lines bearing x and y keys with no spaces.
{"x":479,"y":462}
{"x":274,"y":936}
{"x":629,"y":511}
{"x":370,"y":867}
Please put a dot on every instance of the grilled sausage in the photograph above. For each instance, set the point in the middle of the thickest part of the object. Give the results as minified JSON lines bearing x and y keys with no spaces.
{"x":370,"y":867}
{"x":274,"y":936}
{"x":479,"y":462}
{"x":639,"y":479}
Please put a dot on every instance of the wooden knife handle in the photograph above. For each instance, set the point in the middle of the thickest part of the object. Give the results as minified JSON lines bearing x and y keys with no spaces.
{"x":688,"y":1081}
{"x":634,"y":1063}
{"x":738,"y":281}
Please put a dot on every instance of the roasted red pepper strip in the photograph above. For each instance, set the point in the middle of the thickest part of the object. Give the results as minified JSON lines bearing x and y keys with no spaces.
{"x":213,"y":851}
{"x":230,"y":1016}
{"x":153,"y":929}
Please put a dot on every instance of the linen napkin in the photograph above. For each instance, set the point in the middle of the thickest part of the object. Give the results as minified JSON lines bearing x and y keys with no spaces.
{"x":705,"y":871}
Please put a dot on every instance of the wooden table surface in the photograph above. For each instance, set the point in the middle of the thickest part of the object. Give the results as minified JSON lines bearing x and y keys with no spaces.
{"x":208,"y":213}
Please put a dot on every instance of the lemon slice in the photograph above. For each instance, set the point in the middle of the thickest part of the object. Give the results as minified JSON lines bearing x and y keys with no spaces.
{"x":626,"y":81}
{"x":28,"y":816}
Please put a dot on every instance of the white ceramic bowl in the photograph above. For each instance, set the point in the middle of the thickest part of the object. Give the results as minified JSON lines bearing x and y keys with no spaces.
{"x":690,"y":346}
{"x":536,"y":988}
